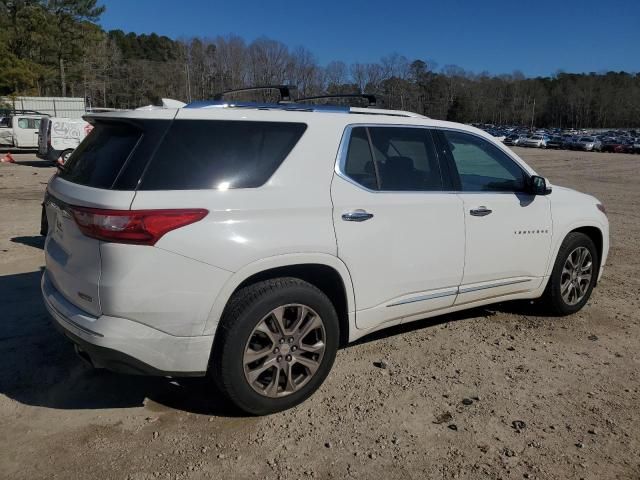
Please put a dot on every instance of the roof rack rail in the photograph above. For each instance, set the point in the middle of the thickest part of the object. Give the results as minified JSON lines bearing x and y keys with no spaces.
{"x":284,"y":106}
{"x":285,"y":91}
{"x":384,"y":111}
{"x":11,"y":111}
{"x":367,"y":96}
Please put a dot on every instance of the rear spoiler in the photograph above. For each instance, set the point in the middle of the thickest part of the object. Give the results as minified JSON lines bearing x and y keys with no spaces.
{"x":166,"y":103}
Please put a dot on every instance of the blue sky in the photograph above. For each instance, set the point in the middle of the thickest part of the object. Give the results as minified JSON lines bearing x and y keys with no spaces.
{"x":537,"y":37}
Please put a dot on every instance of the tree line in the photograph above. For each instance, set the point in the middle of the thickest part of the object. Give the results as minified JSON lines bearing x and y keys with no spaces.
{"x":57,"y":48}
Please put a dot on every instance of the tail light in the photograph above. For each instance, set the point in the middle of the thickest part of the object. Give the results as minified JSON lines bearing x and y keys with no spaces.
{"x":140,"y":227}
{"x":600,"y":207}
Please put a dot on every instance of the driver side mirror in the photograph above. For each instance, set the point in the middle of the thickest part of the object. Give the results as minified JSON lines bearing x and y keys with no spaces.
{"x":538,"y":186}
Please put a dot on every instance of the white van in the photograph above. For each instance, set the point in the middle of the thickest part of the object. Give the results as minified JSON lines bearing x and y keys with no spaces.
{"x":20,"y":131}
{"x":59,"y":137}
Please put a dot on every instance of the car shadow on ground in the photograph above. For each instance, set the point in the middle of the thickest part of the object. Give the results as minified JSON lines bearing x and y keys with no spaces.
{"x":35,"y":163}
{"x":39,"y":366}
{"x":518,"y":307}
{"x":35,"y":241}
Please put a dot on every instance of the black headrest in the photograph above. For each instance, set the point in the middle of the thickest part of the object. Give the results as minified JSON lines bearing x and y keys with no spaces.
{"x":400,"y":163}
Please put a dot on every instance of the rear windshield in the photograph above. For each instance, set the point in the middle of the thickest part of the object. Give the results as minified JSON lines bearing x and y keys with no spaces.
{"x":214,"y":154}
{"x":101,"y":155}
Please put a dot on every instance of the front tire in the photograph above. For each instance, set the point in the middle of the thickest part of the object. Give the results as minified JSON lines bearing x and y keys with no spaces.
{"x":275,"y":345}
{"x":573,"y":277}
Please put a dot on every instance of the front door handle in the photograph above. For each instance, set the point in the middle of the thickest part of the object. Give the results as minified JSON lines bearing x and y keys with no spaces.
{"x":480,"y":211}
{"x":358,"y":215}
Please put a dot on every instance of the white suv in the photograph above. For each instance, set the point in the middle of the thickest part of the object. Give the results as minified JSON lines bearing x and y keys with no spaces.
{"x":247,"y":242}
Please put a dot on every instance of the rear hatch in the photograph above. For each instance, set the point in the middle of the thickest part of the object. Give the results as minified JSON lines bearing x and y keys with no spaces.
{"x":101,"y":173}
{"x":72,"y":258}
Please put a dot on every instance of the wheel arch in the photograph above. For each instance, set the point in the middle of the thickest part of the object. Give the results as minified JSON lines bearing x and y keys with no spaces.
{"x":326,"y":272}
{"x":597,"y":237}
{"x":592,"y":230}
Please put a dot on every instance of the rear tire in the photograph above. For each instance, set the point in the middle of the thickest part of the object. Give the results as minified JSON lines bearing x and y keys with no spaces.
{"x":64,"y":156}
{"x":569,"y":289}
{"x":267,"y":321}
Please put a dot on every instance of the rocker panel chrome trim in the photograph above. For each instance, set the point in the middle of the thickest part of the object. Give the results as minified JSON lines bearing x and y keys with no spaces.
{"x":421,"y":298}
{"x":459,"y":290}
{"x":494,"y":285}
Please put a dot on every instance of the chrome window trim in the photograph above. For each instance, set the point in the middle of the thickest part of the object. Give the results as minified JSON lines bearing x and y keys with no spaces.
{"x":343,"y":148}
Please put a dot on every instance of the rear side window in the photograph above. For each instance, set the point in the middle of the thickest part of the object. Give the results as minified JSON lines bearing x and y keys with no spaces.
{"x":210,"y":154}
{"x":99,"y":158}
{"x":393,"y":159}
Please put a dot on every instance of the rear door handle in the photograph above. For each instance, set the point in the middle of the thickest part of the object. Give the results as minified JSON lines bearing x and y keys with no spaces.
{"x":480,"y":212}
{"x":358,"y":215}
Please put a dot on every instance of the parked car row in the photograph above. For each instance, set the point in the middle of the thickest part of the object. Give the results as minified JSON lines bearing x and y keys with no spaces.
{"x":614,"y":141}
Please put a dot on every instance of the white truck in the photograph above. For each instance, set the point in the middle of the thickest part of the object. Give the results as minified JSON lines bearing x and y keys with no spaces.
{"x":20,"y":124}
{"x":20,"y":131}
{"x":59,"y":137}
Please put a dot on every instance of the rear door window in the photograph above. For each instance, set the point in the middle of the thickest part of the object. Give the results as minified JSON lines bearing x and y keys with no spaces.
{"x":100,"y":157}
{"x":393,"y":159}
{"x":214,"y":154}
{"x":406,"y":159}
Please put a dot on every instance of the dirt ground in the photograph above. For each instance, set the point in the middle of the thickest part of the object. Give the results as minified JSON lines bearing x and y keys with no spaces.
{"x":551,"y":398}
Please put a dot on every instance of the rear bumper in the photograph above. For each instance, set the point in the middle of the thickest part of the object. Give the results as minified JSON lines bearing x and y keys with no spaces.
{"x":123,"y":345}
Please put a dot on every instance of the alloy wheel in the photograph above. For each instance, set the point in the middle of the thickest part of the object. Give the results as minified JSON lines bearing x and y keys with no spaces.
{"x":284,"y":350}
{"x":576,"y":276}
